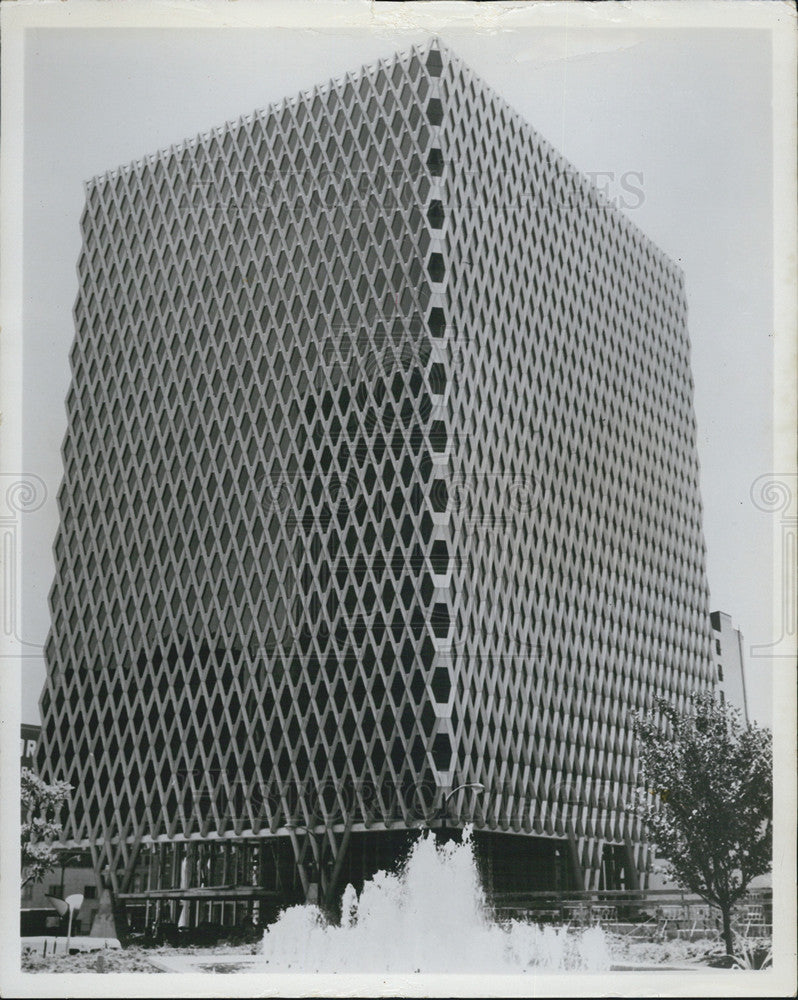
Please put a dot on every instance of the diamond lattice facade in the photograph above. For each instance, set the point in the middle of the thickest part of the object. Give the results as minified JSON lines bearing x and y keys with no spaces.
{"x":380,"y":480}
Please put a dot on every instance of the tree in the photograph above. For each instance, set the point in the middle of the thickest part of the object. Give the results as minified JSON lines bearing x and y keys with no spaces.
{"x":41,"y":806}
{"x":707,"y":799}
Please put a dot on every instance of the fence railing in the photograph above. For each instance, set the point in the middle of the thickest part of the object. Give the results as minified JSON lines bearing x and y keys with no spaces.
{"x":666,"y":911}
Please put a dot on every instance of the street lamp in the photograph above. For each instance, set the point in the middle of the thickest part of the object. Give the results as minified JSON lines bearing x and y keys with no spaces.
{"x":477,"y":786}
{"x":65,"y":860}
{"x":67,"y":907}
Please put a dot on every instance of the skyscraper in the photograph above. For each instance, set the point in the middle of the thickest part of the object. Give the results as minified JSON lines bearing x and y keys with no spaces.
{"x":380,"y":506}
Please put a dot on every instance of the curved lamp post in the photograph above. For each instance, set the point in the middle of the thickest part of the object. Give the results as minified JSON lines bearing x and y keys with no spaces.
{"x":477,"y":786}
{"x":65,"y":861}
{"x":67,"y":908}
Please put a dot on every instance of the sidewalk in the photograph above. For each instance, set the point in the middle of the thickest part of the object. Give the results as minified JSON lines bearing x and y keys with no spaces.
{"x":205,"y":963}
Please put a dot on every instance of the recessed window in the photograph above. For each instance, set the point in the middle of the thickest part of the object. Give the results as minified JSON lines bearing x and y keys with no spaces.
{"x":435,"y":214}
{"x":434,"y":63}
{"x":437,"y":379}
{"x":440,"y":620}
{"x":435,"y":111}
{"x":436,"y":268}
{"x":437,"y":321}
{"x":441,"y":684}
{"x":437,"y":436}
{"x":435,"y":162}
{"x":442,"y":752}
{"x":440,"y":557}
{"x":439,"y":495}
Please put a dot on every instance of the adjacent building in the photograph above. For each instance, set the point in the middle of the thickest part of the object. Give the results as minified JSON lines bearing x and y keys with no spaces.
{"x":74,"y":875}
{"x":28,"y":744}
{"x":380,"y":508}
{"x":728,"y":658}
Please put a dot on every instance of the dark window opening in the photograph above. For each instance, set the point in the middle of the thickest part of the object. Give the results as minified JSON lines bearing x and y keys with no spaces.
{"x":435,"y":214}
{"x":437,"y":436}
{"x":440,"y":557}
{"x":435,"y":111}
{"x":441,"y":684}
{"x":437,"y":269}
{"x":434,"y":63}
{"x":442,"y":752}
{"x":435,"y":162}
{"x":439,"y":496}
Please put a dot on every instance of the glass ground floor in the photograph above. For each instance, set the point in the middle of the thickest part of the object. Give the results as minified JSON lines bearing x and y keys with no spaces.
{"x":248,"y":881}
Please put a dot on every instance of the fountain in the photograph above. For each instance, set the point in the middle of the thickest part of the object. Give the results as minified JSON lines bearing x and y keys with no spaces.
{"x":429,"y":917}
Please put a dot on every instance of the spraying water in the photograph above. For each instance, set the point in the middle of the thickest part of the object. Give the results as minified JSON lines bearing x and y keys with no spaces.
{"x":430,"y":917}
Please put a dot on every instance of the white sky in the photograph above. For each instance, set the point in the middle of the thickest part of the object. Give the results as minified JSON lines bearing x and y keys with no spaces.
{"x":688,"y":109}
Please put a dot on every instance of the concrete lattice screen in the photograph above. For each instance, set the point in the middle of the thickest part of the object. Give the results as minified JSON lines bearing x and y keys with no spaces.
{"x":380,"y":478}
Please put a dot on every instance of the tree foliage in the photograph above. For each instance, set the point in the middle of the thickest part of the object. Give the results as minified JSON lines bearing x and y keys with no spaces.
{"x":41,"y":807}
{"x":707,"y":799}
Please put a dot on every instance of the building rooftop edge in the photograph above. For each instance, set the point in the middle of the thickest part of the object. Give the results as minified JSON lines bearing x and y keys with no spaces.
{"x":433,"y":43}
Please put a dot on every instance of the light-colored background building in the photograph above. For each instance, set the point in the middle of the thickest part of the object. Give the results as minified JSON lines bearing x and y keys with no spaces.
{"x":729,"y":662}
